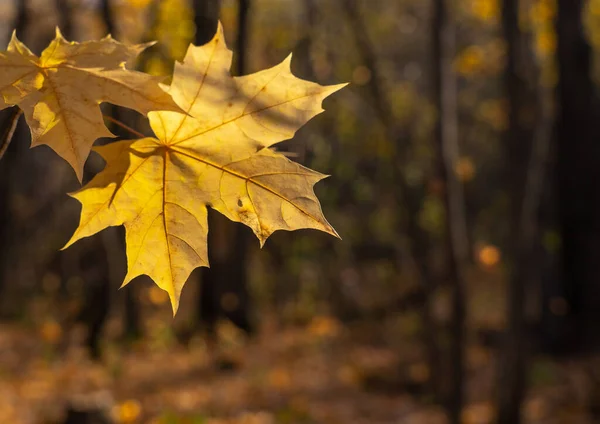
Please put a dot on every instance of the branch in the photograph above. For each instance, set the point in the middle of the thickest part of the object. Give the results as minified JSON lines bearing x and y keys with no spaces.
{"x":124,"y":126}
{"x":8,"y":129}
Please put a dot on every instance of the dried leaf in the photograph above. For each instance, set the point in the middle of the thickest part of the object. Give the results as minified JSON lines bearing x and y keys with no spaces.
{"x":60,"y":91}
{"x":216,"y":155}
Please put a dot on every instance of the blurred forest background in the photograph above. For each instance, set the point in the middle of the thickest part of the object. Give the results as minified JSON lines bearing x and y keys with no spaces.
{"x":466,"y":288}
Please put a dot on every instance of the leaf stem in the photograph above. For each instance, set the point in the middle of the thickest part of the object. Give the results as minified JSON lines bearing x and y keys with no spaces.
{"x":10,"y":125}
{"x":122,"y":125}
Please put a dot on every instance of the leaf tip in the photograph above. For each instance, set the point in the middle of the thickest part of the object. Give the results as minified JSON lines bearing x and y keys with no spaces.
{"x":144,"y":46}
{"x":126,"y":281}
{"x":165,"y":87}
{"x":287,"y":62}
{"x":174,"y":303}
{"x":335,"y":87}
{"x":79,"y":173}
{"x":334,"y":233}
{"x":220,"y":29}
{"x":58,"y":34}
{"x":68,"y":244}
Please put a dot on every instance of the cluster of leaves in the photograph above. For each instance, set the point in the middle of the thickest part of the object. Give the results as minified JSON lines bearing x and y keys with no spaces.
{"x":211,"y":147}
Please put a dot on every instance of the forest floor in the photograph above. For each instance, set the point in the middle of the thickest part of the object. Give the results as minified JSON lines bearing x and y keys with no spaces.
{"x":322,"y":372}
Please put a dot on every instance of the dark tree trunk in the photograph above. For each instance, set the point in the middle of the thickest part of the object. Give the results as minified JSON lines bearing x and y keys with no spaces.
{"x":445,"y":86}
{"x":512,"y":371}
{"x":63,"y":8}
{"x":223,"y":290}
{"x":237,"y":281}
{"x":8,"y":122}
{"x":93,"y":264}
{"x":527,"y":155}
{"x":20,"y":25}
{"x":206,"y":15}
{"x":206,"y":18}
{"x":92,"y":254}
{"x":578,"y":200}
{"x":131,"y":313}
{"x":21,"y":18}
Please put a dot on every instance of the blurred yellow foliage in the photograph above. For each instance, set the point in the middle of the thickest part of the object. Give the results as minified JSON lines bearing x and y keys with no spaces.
{"x":246,"y":418}
{"x":485,"y":10}
{"x":279,"y":378}
{"x":593,"y":22}
{"x":594,"y":7}
{"x":127,"y":412}
{"x":51,"y":332}
{"x":542,"y":12}
{"x":175,"y":28}
{"x":545,"y":42}
{"x":489,"y":256}
{"x":541,"y":17}
{"x":470,"y":61}
{"x":465,"y":169}
{"x":157,"y":296}
{"x":478,"y":413}
{"x":324,"y":326}
{"x":138,"y":3}
{"x":404,"y":97}
{"x":493,"y":112}
{"x":157,"y":66}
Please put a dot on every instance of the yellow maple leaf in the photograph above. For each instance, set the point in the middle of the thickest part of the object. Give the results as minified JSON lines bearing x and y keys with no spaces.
{"x":218,"y":155}
{"x":60,"y":91}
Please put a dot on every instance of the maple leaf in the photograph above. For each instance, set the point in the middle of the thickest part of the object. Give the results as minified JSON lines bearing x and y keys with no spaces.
{"x":60,"y":91}
{"x":217,"y":154}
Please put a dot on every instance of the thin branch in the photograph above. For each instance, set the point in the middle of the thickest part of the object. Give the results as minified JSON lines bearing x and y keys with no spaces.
{"x":8,"y":130}
{"x":122,"y":125}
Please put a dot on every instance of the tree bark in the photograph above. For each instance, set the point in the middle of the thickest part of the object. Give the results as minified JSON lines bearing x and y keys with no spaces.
{"x":223,"y":289}
{"x":578,"y":200}
{"x":21,"y":19}
{"x":512,"y":367}
{"x":527,"y":155}
{"x":445,"y":93}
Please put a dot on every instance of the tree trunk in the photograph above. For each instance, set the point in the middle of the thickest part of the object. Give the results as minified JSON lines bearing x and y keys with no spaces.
{"x":578,"y":200}
{"x":63,"y":8}
{"x":20,"y":24}
{"x":223,"y":290}
{"x":527,"y":154}
{"x":445,"y":86}
{"x":512,"y":367}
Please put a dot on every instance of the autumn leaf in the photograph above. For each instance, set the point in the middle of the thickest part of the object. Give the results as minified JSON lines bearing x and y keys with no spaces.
{"x":216,"y":155}
{"x":60,"y":91}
